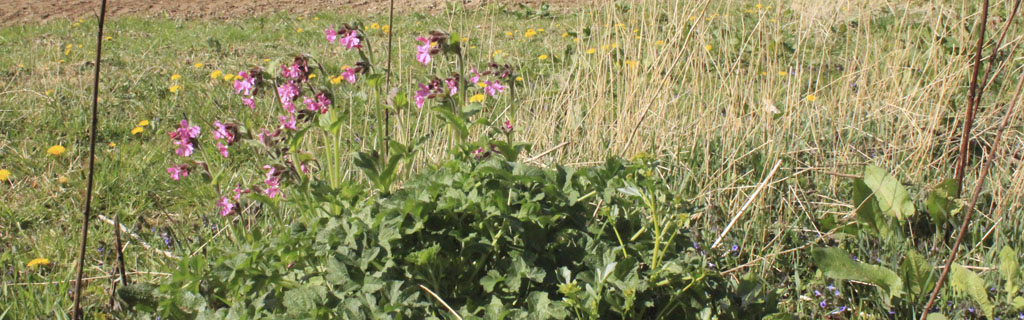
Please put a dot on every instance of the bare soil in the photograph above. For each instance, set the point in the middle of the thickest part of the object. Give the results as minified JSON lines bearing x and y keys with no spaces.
{"x":22,"y":11}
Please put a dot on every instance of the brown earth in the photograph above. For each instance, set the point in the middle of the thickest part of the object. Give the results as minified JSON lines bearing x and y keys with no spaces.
{"x":22,"y":11}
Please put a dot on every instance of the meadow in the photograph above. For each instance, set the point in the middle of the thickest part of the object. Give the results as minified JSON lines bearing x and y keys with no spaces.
{"x":636,"y":160}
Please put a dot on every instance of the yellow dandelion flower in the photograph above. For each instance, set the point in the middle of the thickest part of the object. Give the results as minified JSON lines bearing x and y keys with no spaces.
{"x":530,"y":33}
{"x":605,"y":47}
{"x":464,"y":39}
{"x":479,"y":97}
{"x":312,"y":75}
{"x":759,"y":6}
{"x":174,"y":88}
{"x":79,"y":46}
{"x":216,"y":74}
{"x":21,"y":65}
{"x":143,"y":123}
{"x":540,"y":30}
{"x":198,"y":65}
{"x":543,"y":57}
{"x":228,"y":77}
{"x":108,"y":38}
{"x":175,"y":76}
{"x":38,"y":262}
{"x":112,"y":144}
{"x":659,"y":43}
{"x":62,"y":180}
{"x":60,"y":61}
{"x":374,"y":26}
{"x":764,"y":73}
{"x":811,"y":98}
{"x":782,"y":73}
{"x":68,"y":46}
{"x":591,"y":51}
{"x":519,"y":78}
{"x":137,"y":130}
{"x":565,"y":34}
{"x":386,"y":28}
{"x":508,"y":33}
{"x":481,"y":84}
{"x":56,"y":150}
{"x":336,"y":80}
{"x":576,"y":39}
{"x":615,"y":46}
{"x":5,"y":175}
{"x":66,"y":51}
{"x":316,"y":18}
{"x":298,"y":30}
{"x":49,"y":92}
{"x":707,"y":47}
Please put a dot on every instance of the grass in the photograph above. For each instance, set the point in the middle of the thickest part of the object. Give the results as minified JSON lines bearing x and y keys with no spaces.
{"x":720,"y":92}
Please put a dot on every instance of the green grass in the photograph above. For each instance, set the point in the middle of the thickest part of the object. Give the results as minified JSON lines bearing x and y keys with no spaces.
{"x":694,"y":88}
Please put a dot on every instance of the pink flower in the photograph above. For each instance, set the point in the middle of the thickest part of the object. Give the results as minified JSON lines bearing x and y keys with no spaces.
{"x":493,"y":88}
{"x":222,"y":149}
{"x":220,"y":131}
{"x":293,"y":71}
{"x":273,"y":181}
{"x":423,"y":51}
{"x":351,"y":41}
{"x":421,"y":95}
{"x":249,"y":102}
{"x":238,"y":192}
{"x":288,"y":91}
{"x":246,"y":84}
{"x":476,"y":76}
{"x":349,"y":74}
{"x":226,"y":206}
{"x":183,"y":137}
{"x":287,"y":122}
{"x":453,"y":86}
{"x":507,"y":127}
{"x":331,"y":34}
{"x":178,"y":171}
{"x":321,"y":103}
{"x":479,"y":153}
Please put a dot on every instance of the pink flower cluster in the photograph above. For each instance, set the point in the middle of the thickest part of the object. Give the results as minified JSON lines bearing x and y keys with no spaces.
{"x":320,"y":104}
{"x":185,"y":138}
{"x":245,"y":85}
{"x":273,"y":181}
{"x":349,"y":37}
{"x":226,"y":132}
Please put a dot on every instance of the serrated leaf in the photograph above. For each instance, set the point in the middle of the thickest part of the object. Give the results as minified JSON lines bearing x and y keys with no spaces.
{"x":968,"y":282}
{"x":892,"y":198}
{"x":836,"y":263}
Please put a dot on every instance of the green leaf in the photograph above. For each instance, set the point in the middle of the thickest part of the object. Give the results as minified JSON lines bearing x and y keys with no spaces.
{"x":1018,"y":303}
{"x":892,"y":197}
{"x":965,"y":281}
{"x":868,"y":212}
{"x":941,"y":201}
{"x":936,"y":316}
{"x":917,"y":273}
{"x":1009,"y":267}
{"x":492,"y":278}
{"x":836,"y":263}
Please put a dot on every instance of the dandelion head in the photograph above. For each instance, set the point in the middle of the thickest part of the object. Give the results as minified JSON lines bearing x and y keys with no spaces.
{"x":38,"y":262}
{"x":56,"y":150}
{"x":5,"y":175}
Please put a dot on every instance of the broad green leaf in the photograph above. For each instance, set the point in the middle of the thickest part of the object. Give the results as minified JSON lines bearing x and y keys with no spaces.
{"x":892,"y":198}
{"x":1009,"y":267}
{"x":936,"y":316}
{"x":836,"y":263}
{"x":963,"y":280}
{"x":1018,"y":303}
{"x":917,"y":273}
{"x":941,"y":201}
{"x":868,"y":212}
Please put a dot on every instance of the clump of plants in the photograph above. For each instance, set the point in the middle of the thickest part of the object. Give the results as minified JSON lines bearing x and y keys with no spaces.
{"x":482,"y":235}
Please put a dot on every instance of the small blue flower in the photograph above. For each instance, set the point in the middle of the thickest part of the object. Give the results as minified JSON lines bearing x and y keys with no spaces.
{"x":817,"y":293}
{"x":823,"y":304}
{"x":970,"y":309}
{"x":735,"y":247}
